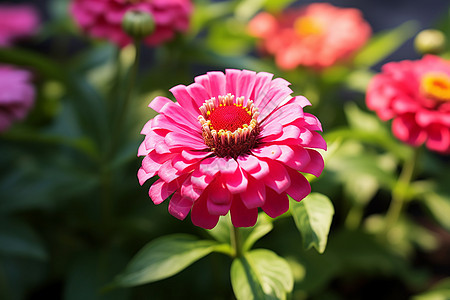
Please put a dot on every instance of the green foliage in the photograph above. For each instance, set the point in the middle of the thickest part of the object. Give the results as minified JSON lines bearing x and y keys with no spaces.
{"x":313,"y":216}
{"x":73,"y":216}
{"x":440,"y":291}
{"x":261,"y":274}
{"x":383,"y":44}
{"x":163,"y":258}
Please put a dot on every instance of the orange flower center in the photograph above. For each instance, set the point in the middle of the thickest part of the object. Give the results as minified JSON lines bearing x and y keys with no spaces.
{"x":307,"y":26}
{"x":229,"y":127}
{"x":436,"y":86}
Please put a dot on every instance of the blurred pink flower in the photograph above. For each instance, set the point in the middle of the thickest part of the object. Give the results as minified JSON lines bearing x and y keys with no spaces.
{"x":317,"y":35}
{"x":16,"y":95}
{"x":17,"y":21}
{"x":416,"y":95}
{"x":102,"y":18}
{"x":233,"y":142}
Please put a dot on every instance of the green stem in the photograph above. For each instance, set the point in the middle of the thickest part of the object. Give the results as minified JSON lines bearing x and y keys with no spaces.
{"x":124,"y":105}
{"x":399,"y":191}
{"x":236,"y":241}
{"x":113,"y":145}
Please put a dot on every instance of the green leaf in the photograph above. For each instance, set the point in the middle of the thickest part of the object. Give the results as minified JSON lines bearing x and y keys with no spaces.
{"x":362,"y":120}
{"x":440,"y":291}
{"x":261,"y":274}
{"x":385,"y":43}
{"x":439,"y":206}
{"x":247,"y":9}
{"x":221,"y":232}
{"x":277,"y":5}
{"x":313,"y":217}
{"x":164,"y":257}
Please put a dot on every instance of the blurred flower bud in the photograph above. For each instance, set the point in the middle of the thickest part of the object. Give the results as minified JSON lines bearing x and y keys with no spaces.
{"x":429,"y":41}
{"x":138,"y":24}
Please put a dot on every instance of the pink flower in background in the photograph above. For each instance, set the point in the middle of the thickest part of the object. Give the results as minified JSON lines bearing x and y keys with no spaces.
{"x":317,"y":35}
{"x":16,"y":95}
{"x":232,"y":142}
{"x":102,"y":18}
{"x":416,"y":95}
{"x":17,"y":21}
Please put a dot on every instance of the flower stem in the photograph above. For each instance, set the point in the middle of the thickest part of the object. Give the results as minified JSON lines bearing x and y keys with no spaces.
{"x":399,"y":191}
{"x":124,"y":105}
{"x":236,"y":241}
{"x":117,"y":128}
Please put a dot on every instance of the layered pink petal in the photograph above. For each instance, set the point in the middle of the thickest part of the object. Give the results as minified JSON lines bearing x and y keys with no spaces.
{"x":160,"y":191}
{"x":241,"y":216}
{"x":300,"y":187}
{"x":184,"y":98}
{"x":217,"y":84}
{"x":438,"y":138}
{"x":102,"y":19}
{"x":276,"y":204}
{"x":279,"y":179}
{"x":200,"y":215}
{"x":403,"y":93}
{"x":315,"y":165}
{"x":247,"y":81}
{"x":236,"y":182}
{"x":219,"y":198}
{"x":255,"y":194}
{"x":179,"y":207}
{"x":407,"y":130}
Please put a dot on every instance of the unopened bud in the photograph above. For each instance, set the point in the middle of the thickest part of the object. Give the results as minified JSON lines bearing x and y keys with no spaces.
{"x":430,"y":41}
{"x":138,"y":24}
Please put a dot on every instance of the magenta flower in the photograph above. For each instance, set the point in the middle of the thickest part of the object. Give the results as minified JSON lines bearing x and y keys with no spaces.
{"x":416,"y":95}
{"x":16,"y":95}
{"x":17,"y":21}
{"x":233,"y":142}
{"x":103,"y":18}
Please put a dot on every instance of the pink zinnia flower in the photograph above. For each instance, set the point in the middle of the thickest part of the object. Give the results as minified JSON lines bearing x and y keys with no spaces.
{"x":103,"y":18}
{"x":233,"y":142}
{"x":416,"y":95}
{"x":317,"y":35}
{"x":16,"y":95}
{"x":17,"y":21}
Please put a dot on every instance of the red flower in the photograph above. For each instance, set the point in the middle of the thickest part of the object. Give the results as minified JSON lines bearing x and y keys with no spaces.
{"x":233,"y":142}
{"x":103,"y":18}
{"x":317,"y":35}
{"x":416,"y":95}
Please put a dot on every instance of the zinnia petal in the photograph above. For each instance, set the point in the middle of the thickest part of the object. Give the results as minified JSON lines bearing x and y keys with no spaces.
{"x":241,"y":216}
{"x":228,"y":159}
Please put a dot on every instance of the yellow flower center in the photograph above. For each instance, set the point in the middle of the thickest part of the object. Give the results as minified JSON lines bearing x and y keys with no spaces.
{"x":307,"y":26}
{"x":436,"y":86}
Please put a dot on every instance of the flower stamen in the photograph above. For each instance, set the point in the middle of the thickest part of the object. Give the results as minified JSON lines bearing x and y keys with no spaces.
{"x":436,"y":86}
{"x":230,"y":128}
{"x":307,"y":26}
